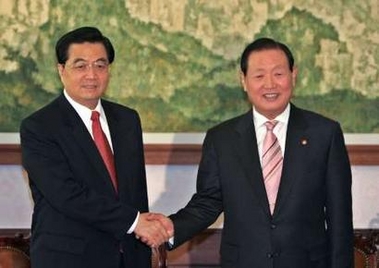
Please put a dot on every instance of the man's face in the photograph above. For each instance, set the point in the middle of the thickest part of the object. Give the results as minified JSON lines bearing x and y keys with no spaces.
{"x":269,"y":81}
{"x":85,"y":75}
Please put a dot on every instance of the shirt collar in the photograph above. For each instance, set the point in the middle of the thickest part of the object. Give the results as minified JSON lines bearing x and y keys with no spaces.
{"x":260,"y":119}
{"x":83,"y":111}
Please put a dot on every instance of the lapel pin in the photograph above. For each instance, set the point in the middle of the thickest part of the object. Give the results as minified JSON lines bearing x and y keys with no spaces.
{"x":304,"y":142}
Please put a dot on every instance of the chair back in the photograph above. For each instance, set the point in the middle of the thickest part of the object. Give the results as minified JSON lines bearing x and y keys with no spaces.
{"x":14,"y":252}
{"x":158,"y":257}
{"x":365,"y":252}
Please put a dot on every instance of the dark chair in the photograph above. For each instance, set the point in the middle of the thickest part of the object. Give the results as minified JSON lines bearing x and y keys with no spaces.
{"x":14,"y":252}
{"x":365,"y":252}
{"x":158,"y":257}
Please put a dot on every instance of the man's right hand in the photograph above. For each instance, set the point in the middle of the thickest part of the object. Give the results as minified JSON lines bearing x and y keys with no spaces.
{"x":154,"y":229}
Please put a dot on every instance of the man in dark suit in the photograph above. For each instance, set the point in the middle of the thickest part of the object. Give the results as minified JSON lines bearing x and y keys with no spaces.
{"x":307,"y":221}
{"x":81,"y":217}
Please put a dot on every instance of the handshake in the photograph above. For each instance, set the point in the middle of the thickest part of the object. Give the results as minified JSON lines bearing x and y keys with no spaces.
{"x":154,"y":229}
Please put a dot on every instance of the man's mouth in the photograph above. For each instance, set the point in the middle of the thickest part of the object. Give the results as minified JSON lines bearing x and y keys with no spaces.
{"x":271,"y":96}
{"x":89,"y":86}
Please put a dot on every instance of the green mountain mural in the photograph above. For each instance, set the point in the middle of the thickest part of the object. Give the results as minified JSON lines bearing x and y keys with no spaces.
{"x":177,"y":63}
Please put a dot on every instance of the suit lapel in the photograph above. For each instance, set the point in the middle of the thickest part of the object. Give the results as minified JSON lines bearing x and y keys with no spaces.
{"x":295,"y":153}
{"x":247,"y":151}
{"x":83,"y":139}
{"x":122,"y":142}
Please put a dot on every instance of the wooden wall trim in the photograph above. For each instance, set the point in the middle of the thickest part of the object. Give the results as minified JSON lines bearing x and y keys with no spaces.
{"x":10,"y":154}
{"x":189,"y":154}
{"x":363,"y":154}
{"x":175,"y":154}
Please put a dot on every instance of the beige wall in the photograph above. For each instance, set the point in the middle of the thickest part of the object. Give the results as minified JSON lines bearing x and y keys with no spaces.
{"x":170,"y":187}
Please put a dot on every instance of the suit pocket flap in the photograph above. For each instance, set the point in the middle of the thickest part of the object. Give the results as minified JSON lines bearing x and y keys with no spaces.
{"x":63,"y":243}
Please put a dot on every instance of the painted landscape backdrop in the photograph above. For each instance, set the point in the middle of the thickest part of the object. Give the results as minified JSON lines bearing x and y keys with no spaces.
{"x":177,"y":61}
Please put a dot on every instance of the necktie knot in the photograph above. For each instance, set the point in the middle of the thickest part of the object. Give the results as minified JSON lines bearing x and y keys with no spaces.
{"x":270,"y":124}
{"x":95,"y":116}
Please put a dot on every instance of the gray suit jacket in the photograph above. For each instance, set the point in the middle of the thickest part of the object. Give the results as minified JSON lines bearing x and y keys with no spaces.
{"x":312,"y":222}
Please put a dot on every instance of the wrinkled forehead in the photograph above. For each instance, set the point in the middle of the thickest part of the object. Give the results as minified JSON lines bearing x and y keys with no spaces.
{"x":267,"y":58}
{"x":86,"y":51}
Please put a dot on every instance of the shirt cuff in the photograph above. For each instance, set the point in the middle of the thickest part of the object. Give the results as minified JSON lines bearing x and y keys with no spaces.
{"x":171,"y":242}
{"x":131,"y":229}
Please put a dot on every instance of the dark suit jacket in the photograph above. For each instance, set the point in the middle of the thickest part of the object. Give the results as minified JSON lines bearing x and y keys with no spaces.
{"x":79,"y":220}
{"x":312,"y":222}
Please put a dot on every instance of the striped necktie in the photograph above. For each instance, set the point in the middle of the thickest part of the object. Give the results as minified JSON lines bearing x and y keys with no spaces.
{"x":272,"y":163}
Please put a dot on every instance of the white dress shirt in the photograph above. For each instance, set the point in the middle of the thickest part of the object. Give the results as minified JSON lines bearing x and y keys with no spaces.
{"x":85,"y":114}
{"x":280,"y":129}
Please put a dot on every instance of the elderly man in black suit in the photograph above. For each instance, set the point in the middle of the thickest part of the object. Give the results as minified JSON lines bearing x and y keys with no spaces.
{"x":85,"y":162}
{"x":280,"y":174}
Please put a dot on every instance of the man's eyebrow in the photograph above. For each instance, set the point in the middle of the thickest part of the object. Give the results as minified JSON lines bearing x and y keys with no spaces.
{"x":83,"y":60}
{"x":101,"y":59}
{"x":78,"y":60}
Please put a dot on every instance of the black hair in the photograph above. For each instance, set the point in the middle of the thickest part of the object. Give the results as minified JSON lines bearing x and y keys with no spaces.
{"x":265,"y":44}
{"x":82,"y":35}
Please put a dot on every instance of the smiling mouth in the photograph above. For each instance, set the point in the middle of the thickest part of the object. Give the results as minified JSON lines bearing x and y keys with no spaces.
{"x":271,"y":96}
{"x":90,"y":86}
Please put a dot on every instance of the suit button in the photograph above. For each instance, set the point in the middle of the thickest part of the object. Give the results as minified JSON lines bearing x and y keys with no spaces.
{"x":273,"y":255}
{"x":273,"y":226}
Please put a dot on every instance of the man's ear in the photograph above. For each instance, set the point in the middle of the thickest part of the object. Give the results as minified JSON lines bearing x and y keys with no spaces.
{"x":294,"y":75}
{"x":60,"y":68}
{"x":242,"y":81}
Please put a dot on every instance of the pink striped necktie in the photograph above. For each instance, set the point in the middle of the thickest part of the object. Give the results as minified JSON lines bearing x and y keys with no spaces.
{"x":272,"y":163}
{"x":103,"y":146}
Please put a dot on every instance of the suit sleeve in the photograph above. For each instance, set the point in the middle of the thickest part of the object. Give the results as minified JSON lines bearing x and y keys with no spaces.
{"x":206,"y":204}
{"x":54,"y":184}
{"x":339,"y":203}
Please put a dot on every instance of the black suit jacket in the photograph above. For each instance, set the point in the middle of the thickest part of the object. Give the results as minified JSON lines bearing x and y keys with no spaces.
{"x":312,"y":222}
{"x":79,"y":220}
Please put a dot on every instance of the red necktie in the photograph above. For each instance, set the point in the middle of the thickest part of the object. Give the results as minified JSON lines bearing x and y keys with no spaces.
{"x":272,"y":163}
{"x":103,"y":146}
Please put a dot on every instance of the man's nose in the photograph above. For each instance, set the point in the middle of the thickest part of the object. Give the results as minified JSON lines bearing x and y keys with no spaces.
{"x":269,"y":81}
{"x":90,"y":71}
